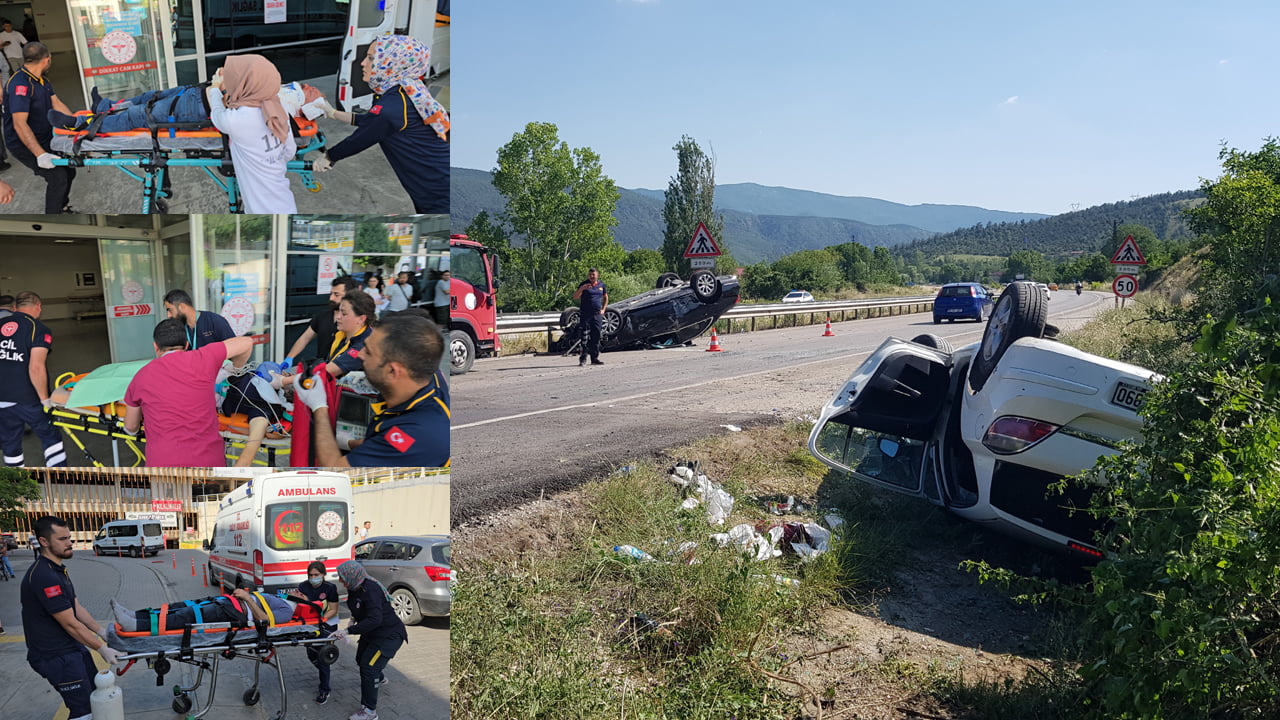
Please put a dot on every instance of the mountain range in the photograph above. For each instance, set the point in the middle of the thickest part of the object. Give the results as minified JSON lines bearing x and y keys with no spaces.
{"x":763,"y":223}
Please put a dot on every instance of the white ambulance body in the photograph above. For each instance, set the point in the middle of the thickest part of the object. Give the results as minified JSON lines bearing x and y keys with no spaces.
{"x":270,"y":528}
{"x":426,"y":20}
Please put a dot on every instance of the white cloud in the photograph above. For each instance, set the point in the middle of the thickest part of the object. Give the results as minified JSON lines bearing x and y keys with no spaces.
{"x":1223,"y":62}
{"x":1012,"y":100}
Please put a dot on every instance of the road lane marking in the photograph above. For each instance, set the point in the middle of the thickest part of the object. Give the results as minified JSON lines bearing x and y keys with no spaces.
{"x":639,"y":396}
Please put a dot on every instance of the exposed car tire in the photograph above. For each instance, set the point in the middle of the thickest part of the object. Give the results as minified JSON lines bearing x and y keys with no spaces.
{"x":405,"y":605}
{"x":705,"y":286}
{"x":1020,"y":312}
{"x":666,"y":280}
{"x":612,"y":323}
{"x":933,"y":341}
{"x":462,"y":352}
{"x":134,"y":552}
{"x":569,"y":320}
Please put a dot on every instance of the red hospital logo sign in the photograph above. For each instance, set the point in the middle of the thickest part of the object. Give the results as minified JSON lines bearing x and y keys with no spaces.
{"x":9,"y":329}
{"x":400,"y":439}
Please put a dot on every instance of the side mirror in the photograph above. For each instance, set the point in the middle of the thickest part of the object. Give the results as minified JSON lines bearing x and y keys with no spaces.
{"x":206,"y":545}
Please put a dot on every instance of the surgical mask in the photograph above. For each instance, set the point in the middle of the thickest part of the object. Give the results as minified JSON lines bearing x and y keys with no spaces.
{"x":316,"y":581}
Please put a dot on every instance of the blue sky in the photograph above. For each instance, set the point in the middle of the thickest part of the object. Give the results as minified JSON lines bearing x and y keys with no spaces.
{"x":1022,"y":106}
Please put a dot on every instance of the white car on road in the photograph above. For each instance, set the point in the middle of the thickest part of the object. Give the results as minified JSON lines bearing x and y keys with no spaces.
{"x":985,"y":429}
{"x":797,"y":296}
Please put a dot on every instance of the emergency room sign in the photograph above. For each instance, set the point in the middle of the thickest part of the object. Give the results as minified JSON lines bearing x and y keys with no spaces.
{"x":274,"y":12}
{"x":702,"y":244}
{"x":123,"y":311}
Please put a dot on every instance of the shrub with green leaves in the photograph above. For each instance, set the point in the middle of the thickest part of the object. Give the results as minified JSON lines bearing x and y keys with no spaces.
{"x":1186,"y":620}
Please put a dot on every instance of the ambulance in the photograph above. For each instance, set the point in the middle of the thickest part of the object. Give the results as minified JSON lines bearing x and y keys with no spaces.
{"x":270,"y":528}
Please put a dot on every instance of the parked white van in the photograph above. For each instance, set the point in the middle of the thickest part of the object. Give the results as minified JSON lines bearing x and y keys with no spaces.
{"x":270,"y":528}
{"x":135,"y":537}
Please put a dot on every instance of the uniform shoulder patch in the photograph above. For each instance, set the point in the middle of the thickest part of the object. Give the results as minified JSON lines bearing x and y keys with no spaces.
{"x":354,"y":353}
{"x":399,"y":439}
{"x":20,"y":90}
{"x":53,"y":591}
{"x":48,"y":338}
{"x":8,"y":329}
{"x":375,"y":110}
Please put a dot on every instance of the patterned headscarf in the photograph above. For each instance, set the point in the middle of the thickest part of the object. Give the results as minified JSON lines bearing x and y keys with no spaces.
{"x":252,"y":81}
{"x":405,"y":61}
{"x":353,"y":574}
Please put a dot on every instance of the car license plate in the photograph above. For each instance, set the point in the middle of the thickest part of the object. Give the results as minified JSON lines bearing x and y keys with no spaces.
{"x":1128,"y":395}
{"x":955,"y":309}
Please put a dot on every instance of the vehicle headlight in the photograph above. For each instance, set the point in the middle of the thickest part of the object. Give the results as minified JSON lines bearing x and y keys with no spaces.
{"x":1011,"y":434}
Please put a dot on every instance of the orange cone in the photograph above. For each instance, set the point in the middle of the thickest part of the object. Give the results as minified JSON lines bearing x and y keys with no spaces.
{"x":828,"y":333}
{"x":175,"y":561}
{"x":715,"y":343}
{"x":193,"y":567}
{"x":204,"y":572}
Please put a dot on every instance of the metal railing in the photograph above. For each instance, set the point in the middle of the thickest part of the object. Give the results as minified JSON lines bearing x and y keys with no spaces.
{"x":837,"y":310}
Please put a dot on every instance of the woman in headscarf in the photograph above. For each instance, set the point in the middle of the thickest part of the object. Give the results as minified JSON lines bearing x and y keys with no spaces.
{"x":409,"y":124}
{"x":244,"y":104}
{"x":380,"y":630}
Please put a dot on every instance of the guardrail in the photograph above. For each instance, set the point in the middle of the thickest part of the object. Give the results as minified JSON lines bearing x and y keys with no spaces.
{"x":837,"y":310}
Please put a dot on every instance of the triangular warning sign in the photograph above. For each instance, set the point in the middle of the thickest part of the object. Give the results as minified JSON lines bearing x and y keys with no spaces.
{"x":702,"y":244}
{"x":1128,"y":253}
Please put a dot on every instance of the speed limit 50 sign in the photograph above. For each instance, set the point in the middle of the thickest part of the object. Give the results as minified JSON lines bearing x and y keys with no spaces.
{"x":1125,"y":286}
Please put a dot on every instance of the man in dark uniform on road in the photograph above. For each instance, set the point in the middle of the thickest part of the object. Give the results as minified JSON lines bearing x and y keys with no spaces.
{"x":203,"y":327}
{"x":593,"y":298}
{"x":59,"y":630}
{"x":24,"y":383}
{"x":402,"y":360}
{"x":28,"y":97}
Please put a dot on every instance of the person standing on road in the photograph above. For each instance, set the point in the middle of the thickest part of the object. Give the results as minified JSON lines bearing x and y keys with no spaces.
{"x":59,"y":630}
{"x":28,"y":134}
{"x":12,"y":42}
{"x":381,"y":633}
{"x":25,"y":343}
{"x":325,"y":594}
{"x":593,"y":298}
{"x":400,"y":295}
{"x":4,"y":559}
{"x":441,"y":303}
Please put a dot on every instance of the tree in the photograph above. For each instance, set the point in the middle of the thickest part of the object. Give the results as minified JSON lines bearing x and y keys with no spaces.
{"x":1029,"y":263}
{"x":372,"y":237}
{"x":559,"y":208}
{"x":17,"y":487}
{"x":812,"y":270}
{"x":761,"y":281}
{"x":643,"y":260}
{"x":883,"y":267}
{"x":854,"y":260}
{"x":690,"y":199}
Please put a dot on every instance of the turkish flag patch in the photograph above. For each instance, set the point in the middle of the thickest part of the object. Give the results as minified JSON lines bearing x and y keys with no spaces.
{"x":399,"y":439}
{"x":375,"y":110}
{"x":21,"y":90}
{"x":354,"y":353}
{"x":48,"y":338}
{"x":55,"y":590}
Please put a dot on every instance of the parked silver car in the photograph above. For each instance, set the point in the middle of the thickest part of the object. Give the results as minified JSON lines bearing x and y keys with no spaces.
{"x":415,"y":571}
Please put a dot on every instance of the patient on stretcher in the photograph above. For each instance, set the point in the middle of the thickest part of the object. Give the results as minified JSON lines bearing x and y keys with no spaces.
{"x":242,"y":606}
{"x":185,"y":104}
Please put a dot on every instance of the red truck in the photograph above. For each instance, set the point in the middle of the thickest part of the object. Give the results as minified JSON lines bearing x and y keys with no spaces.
{"x":473,"y":309}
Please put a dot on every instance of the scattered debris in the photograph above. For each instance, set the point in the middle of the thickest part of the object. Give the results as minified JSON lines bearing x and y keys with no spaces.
{"x":745,"y":538}
{"x":780,"y":508}
{"x":732,"y":428}
{"x":779,"y":580}
{"x":634,"y":552}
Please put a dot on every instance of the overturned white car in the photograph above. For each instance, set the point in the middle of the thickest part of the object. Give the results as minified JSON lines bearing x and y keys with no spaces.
{"x":985,"y":429}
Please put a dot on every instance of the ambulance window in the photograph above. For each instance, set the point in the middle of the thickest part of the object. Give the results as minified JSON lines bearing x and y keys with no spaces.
{"x":286,"y":523}
{"x":371,"y":13}
{"x":329,"y":521}
{"x":307,"y":525}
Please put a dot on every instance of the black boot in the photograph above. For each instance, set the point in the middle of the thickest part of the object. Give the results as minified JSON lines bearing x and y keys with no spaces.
{"x":63,"y":120}
{"x":95,"y":98}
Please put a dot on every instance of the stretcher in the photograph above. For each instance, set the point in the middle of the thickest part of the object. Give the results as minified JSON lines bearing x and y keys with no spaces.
{"x":146,"y":154}
{"x":205,"y":645}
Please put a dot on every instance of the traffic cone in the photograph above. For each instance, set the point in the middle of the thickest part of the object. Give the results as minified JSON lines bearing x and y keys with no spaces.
{"x":715,"y":343}
{"x":175,"y":561}
{"x":193,"y":567}
{"x":204,"y":572}
{"x":828,"y":333}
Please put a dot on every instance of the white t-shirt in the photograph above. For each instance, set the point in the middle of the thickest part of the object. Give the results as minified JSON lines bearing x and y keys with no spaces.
{"x":261,"y":161}
{"x":442,"y":293}
{"x":16,"y":41}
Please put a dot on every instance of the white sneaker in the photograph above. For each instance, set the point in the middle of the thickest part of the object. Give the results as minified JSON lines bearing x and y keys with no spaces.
{"x":381,"y":681}
{"x":365,"y":714}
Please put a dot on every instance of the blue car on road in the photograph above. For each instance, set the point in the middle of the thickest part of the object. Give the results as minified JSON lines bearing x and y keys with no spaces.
{"x":962,"y":300}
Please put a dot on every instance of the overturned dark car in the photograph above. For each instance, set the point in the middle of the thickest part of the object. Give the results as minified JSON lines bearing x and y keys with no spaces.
{"x":672,"y":314}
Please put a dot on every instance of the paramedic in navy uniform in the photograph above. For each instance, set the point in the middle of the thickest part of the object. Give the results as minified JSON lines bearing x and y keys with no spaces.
{"x":59,"y":630}
{"x":28,"y":97}
{"x":203,"y":327}
{"x":24,"y":383}
{"x":409,"y":124}
{"x":402,"y":360}
{"x":317,"y":590}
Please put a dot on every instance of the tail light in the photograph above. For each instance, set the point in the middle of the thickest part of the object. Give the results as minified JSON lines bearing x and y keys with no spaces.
{"x":439,"y":574}
{"x":1010,"y":434}
{"x":257,"y":568}
{"x":973,"y":291}
{"x":1085,"y":549}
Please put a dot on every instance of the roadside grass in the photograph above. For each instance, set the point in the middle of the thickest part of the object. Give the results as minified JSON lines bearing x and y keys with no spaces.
{"x":561,"y":626}
{"x":1137,"y":333}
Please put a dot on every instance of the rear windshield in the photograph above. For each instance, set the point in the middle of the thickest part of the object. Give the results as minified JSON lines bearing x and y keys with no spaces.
{"x":440,"y":553}
{"x":956,"y":291}
{"x":151,"y":529}
{"x":307,"y":525}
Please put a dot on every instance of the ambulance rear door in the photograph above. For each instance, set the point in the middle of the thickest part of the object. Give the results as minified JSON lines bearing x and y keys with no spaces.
{"x":306,"y":517}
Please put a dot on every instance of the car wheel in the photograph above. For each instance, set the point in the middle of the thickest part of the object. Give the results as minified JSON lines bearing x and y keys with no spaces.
{"x":134,"y":552}
{"x":405,"y":605}
{"x":666,"y":280}
{"x":705,"y":286}
{"x":462,"y":352}
{"x":569,"y":320}
{"x":612,"y":323}
{"x":933,"y":341}
{"x":97,"y":551}
{"x":937,"y":320}
{"x":1020,"y":312}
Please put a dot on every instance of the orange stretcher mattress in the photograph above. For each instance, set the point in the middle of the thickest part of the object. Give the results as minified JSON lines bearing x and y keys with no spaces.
{"x":299,"y":620}
{"x":306,"y":128}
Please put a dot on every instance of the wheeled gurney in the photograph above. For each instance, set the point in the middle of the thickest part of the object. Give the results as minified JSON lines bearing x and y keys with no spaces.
{"x":205,"y":645}
{"x":146,"y":154}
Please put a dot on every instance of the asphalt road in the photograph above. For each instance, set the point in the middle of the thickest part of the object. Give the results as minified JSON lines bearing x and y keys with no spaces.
{"x":418,"y":676}
{"x":527,"y":426}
